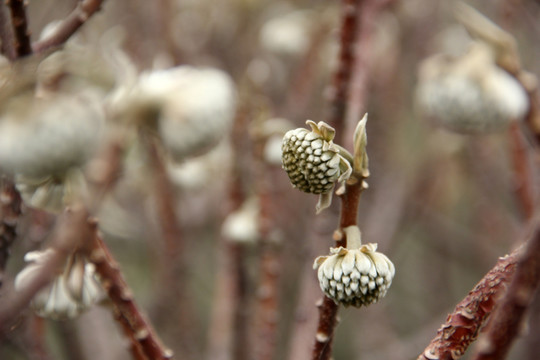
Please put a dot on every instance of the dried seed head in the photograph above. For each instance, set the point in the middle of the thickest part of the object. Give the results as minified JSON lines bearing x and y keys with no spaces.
{"x":355,"y":276}
{"x":70,"y":293}
{"x":470,"y":94}
{"x":190,"y":108}
{"x":312,"y":161}
{"x":242,"y":226}
{"x":40,"y":137}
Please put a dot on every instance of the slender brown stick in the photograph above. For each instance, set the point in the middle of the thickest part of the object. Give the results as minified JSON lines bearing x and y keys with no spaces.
{"x":135,"y":347}
{"x":166,"y":208}
{"x":82,"y":12}
{"x":20,"y":27}
{"x":130,"y":316}
{"x":10,"y":211}
{"x":6,"y":33}
{"x":522,"y":171}
{"x":507,"y":318}
{"x":339,"y":91}
{"x":270,"y":262}
{"x":463,"y":325}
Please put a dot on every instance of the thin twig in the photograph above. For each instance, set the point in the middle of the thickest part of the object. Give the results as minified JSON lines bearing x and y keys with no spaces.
{"x":131,"y":317}
{"x":135,"y":347}
{"x":82,"y":12}
{"x":522,"y":171}
{"x":507,"y":318}
{"x":6,"y":33}
{"x":339,"y":91}
{"x":20,"y":27}
{"x":464,"y":323}
{"x":10,"y":211}
{"x":270,"y":262}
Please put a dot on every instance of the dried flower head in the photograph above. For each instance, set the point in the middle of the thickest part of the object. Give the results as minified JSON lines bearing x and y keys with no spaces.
{"x":40,"y":137}
{"x":312,"y":161}
{"x":70,"y":293}
{"x":470,"y":94}
{"x":356,"y":275}
{"x":242,"y":226}
{"x":191,"y":109}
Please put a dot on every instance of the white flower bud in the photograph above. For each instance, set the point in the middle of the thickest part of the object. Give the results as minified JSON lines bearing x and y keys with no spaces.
{"x":242,"y":226}
{"x":70,"y":293}
{"x":191,"y":109}
{"x":311,"y":160}
{"x":40,"y":137}
{"x":287,"y":34}
{"x":470,"y":94}
{"x":357,"y":275}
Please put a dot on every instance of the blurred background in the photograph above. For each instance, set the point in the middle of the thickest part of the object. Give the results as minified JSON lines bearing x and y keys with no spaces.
{"x":441,"y":206}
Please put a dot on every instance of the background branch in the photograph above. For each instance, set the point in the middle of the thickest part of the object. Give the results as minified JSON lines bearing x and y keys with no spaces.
{"x":20,"y":27}
{"x":10,"y":211}
{"x":470,"y":314}
{"x":130,"y":317}
{"x":508,"y":317}
{"x":82,"y":12}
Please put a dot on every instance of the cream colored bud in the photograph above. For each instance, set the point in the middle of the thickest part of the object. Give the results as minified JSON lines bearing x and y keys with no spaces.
{"x":470,"y":94}
{"x":313,"y":162}
{"x":70,"y":293}
{"x":40,"y":137}
{"x":190,"y":108}
{"x":357,"y":276}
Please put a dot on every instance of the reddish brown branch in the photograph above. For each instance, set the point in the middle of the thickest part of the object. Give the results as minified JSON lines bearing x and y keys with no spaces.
{"x":135,"y":348}
{"x":7,"y":47}
{"x":130,"y":316}
{"x":507,"y":318}
{"x":10,"y":211}
{"x":328,"y":309}
{"x":20,"y":27}
{"x":270,"y":262}
{"x":339,"y":91}
{"x":463,"y":325}
{"x":166,"y":208}
{"x":82,"y":12}
{"x":522,"y":171}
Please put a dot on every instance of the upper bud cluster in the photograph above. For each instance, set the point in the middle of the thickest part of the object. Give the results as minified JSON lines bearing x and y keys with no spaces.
{"x":310,"y":159}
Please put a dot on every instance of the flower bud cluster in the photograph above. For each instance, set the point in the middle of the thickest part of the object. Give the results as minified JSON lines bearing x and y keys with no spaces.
{"x":70,"y":293}
{"x":472,"y":93}
{"x":191,"y":109}
{"x":357,"y":275}
{"x":311,"y":160}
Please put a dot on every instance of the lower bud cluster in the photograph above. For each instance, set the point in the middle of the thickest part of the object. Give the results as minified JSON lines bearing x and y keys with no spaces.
{"x":355,"y":276}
